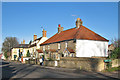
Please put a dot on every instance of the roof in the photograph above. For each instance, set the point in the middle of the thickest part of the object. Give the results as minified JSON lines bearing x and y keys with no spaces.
{"x":32,"y":45}
{"x":110,"y":45}
{"x":75,"y":33}
{"x":38,"y":39}
{"x":39,"y":51}
{"x":35,"y":43}
{"x":70,"y":50}
{"x":52,"y":50}
{"x":21,"y":46}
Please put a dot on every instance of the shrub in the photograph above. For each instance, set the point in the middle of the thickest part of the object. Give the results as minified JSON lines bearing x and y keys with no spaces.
{"x":28,"y":54}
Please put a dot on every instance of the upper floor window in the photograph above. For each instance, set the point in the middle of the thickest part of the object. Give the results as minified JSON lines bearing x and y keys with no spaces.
{"x":58,"y":45}
{"x":66,"y":44}
{"x":48,"y":47}
{"x":43,"y":48}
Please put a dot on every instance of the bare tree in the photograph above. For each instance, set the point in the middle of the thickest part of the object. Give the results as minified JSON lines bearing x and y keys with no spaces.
{"x":115,"y":42}
{"x":9,"y":43}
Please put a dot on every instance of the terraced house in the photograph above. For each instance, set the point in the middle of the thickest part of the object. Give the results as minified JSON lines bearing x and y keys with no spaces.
{"x":19,"y":51}
{"x":75,"y":42}
{"x":35,"y":45}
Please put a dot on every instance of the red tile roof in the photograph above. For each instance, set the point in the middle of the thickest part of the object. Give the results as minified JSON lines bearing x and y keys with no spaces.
{"x":39,"y":51}
{"x":75,"y":33}
{"x":70,"y":50}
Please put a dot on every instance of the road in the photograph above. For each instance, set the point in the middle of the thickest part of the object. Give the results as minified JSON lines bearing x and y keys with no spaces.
{"x":12,"y":70}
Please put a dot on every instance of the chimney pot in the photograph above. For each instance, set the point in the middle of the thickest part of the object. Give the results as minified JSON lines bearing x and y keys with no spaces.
{"x":78,"y":23}
{"x":23,"y":41}
{"x":44,"y":33}
{"x":60,"y":28}
{"x":35,"y":37}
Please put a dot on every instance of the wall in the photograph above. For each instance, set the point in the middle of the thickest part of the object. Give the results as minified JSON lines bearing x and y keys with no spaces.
{"x":15,"y":51}
{"x":71,"y":45}
{"x":41,"y":41}
{"x":115,"y":62}
{"x":89,"y":64}
{"x":89,"y":48}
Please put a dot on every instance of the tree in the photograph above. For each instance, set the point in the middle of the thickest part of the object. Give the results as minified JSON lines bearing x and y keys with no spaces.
{"x":9,"y":43}
{"x":28,"y":54}
{"x":116,"y":52}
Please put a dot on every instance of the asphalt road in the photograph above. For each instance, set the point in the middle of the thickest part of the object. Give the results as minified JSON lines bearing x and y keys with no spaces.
{"x":11,"y":70}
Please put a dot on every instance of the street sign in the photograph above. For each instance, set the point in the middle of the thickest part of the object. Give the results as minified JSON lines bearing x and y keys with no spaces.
{"x":107,"y":60}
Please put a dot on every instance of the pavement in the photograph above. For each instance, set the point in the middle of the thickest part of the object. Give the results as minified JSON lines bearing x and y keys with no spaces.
{"x":12,"y":70}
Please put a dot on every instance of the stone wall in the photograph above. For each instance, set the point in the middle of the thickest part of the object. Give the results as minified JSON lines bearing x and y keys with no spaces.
{"x":115,"y":62}
{"x":89,"y":64}
{"x":71,"y":44}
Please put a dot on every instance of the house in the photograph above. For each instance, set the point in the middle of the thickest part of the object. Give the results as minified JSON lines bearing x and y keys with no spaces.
{"x":34,"y":47}
{"x":19,"y":51}
{"x":111,"y":47}
{"x":75,"y":42}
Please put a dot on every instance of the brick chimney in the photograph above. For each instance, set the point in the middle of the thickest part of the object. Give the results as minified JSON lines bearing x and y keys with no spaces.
{"x":35,"y":37}
{"x":44,"y":33}
{"x":60,"y":28}
{"x":78,"y":23}
{"x":23,"y":41}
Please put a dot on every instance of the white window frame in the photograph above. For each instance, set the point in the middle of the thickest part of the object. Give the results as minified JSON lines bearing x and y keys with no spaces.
{"x":59,"y":45}
{"x":66,"y":44}
{"x":48,"y":47}
{"x":43,"y":48}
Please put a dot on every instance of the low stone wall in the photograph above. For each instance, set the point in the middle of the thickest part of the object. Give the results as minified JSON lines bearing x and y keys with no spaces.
{"x":115,"y":62}
{"x":89,"y":64}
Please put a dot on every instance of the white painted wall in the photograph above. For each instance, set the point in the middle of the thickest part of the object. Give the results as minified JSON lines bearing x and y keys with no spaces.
{"x":41,"y":41}
{"x":89,"y":48}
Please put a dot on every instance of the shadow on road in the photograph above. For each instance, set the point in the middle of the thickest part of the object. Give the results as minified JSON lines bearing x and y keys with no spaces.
{"x":90,"y":73}
{"x":7,"y":70}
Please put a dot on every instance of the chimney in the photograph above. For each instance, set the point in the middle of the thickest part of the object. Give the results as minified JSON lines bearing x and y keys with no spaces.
{"x":23,"y":41}
{"x":78,"y":23}
{"x":60,"y":28}
{"x":44,"y":33}
{"x":35,"y":37}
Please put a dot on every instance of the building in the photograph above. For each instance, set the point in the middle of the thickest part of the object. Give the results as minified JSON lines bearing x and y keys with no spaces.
{"x":19,"y":51}
{"x":75,"y":42}
{"x":34,"y":47}
{"x":111,"y":47}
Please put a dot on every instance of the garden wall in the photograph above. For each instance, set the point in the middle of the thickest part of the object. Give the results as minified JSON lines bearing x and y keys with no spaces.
{"x":89,"y":64}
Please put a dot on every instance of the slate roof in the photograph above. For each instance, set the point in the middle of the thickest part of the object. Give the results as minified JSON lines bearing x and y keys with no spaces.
{"x":75,"y":33}
{"x":21,"y":46}
{"x":35,"y":43}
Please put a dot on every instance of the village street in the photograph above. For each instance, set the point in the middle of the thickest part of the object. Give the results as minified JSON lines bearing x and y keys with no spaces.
{"x":18,"y":70}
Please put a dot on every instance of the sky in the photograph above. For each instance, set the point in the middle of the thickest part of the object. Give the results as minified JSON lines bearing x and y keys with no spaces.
{"x":24,"y":19}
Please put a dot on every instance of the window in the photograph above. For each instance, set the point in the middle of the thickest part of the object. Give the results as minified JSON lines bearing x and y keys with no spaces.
{"x":72,"y":55}
{"x":58,"y":45}
{"x":43,"y":48}
{"x":48,"y":47}
{"x":66,"y":44}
